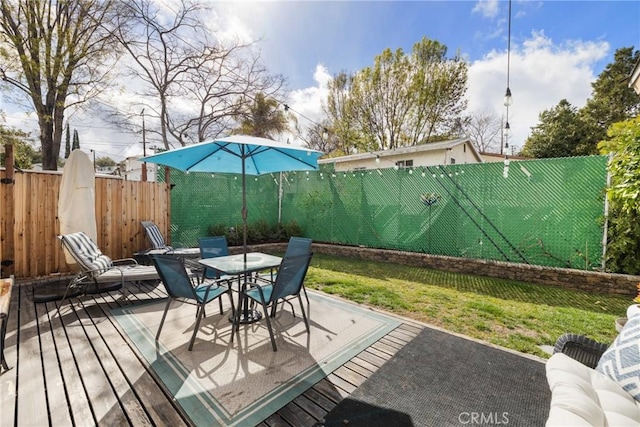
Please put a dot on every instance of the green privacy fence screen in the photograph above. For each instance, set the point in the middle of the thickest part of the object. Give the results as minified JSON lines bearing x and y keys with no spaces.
{"x":544,"y":212}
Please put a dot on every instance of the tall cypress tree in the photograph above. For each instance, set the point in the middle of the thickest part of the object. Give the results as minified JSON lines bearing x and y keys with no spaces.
{"x":67,"y":143}
{"x":76,"y":140}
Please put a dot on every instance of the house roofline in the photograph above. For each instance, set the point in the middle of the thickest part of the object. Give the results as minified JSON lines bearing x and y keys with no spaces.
{"x":431,"y":146}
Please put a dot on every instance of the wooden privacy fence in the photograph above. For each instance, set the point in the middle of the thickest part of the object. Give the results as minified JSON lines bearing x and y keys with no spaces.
{"x":29,"y":224}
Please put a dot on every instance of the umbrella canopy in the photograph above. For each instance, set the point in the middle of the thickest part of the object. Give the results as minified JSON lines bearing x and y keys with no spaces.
{"x":241,"y":154}
{"x":77,"y":200}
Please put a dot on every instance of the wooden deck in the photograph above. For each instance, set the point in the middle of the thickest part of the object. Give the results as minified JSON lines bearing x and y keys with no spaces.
{"x":78,"y":369}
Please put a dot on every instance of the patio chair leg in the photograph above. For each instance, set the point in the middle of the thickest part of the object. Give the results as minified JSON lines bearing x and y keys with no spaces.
{"x":196,"y":327}
{"x":235,"y":325}
{"x":305,"y":294}
{"x":266,"y":315}
{"x":304,"y":315}
{"x":233,"y":308}
{"x":164,"y":315}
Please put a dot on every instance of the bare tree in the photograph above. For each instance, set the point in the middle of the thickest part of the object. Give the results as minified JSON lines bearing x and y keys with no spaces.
{"x":195,"y":85}
{"x":484,"y":129}
{"x":224,"y":88}
{"x":57,"y":54}
{"x":318,"y":137}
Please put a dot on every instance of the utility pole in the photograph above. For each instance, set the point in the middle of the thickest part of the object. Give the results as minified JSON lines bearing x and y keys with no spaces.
{"x":144,"y":150}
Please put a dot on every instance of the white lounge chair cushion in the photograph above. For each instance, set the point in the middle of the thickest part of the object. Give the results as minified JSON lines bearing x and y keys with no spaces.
{"x":154,"y":235}
{"x":86,"y":253}
{"x":126,"y":273}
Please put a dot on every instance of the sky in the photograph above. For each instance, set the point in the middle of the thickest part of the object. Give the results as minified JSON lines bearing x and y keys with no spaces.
{"x":557,"y":49}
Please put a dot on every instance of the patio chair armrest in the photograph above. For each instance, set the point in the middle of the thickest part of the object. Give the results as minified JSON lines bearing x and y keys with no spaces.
{"x":581,"y":348}
{"x":124,"y":261}
{"x":262,"y":278}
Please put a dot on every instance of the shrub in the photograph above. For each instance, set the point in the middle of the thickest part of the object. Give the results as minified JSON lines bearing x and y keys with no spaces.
{"x":258,"y":232}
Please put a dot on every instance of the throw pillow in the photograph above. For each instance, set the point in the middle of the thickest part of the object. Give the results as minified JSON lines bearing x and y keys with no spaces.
{"x":621,"y":361}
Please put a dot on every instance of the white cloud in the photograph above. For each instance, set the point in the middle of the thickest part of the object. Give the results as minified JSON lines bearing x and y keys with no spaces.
{"x":541,"y":74}
{"x":308,"y":101}
{"x":487,"y":8}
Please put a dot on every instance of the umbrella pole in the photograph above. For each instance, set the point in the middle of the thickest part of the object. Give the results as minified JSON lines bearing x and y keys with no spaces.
{"x":244,"y":212}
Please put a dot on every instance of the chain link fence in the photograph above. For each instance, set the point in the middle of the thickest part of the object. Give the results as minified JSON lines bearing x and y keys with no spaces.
{"x":542,"y":212}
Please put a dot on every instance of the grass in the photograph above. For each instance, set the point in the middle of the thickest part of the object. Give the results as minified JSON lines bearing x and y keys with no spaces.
{"x":516,"y":315}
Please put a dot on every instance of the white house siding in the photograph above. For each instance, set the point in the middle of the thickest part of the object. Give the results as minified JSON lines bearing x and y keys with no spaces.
{"x":439,"y":153}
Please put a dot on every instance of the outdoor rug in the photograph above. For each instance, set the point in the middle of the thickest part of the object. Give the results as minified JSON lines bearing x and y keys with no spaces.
{"x":440,"y":379}
{"x":224,"y":384}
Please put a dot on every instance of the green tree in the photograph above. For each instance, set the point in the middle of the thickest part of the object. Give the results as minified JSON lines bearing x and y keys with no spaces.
{"x":561,"y":132}
{"x":67,"y":142}
{"x":76,"y":140}
{"x":611,"y":101}
{"x":23,"y":152}
{"x":53,"y":53}
{"x":623,"y":244}
{"x":401,"y":100}
{"x":262,"y":118}
{"x":105,"y":162}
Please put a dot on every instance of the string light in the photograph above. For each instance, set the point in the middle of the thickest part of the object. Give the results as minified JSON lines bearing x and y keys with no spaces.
{"x":508,"y":99}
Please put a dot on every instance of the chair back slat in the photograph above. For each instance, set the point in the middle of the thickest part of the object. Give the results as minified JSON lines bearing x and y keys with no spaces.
{"x":291,"y":274}
{"x":174,"y":276}
{"x":298,"y":246}
{"x":86,"y":253}
{"x":154,"y":235}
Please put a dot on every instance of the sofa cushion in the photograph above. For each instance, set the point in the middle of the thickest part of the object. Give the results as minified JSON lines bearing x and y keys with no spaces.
{"x":581,"y":396}
{"x":621,"y":361}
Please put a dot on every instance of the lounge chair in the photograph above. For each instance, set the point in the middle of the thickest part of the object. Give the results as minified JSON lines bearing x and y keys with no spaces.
{"x":95,"y":267}
{"x":287,"y":285}
{"x":179,"y":286}
{"x":159,"y":246}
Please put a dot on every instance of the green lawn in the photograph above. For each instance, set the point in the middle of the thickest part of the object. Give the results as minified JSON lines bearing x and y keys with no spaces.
{"x":517,"y":315}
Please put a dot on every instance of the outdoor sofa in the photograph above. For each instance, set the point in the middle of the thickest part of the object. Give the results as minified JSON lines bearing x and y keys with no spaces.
{"x":595,"y":385}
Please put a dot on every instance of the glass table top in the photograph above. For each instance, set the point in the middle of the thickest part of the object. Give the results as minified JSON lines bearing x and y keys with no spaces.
{"x":236,"y":264}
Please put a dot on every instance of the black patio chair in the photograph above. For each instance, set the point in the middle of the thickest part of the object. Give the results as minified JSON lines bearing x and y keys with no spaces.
{"x":213,"y":247}
{"x":583,"y":349}
{"x":179,"y":286}
{"x":287,"y":285}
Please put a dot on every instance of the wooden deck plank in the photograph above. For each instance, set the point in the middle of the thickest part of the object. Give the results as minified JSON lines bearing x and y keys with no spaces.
{"x":30,"y":411}
{"x":146,"y":398}
{"x":98,"y":334}
{"x":294,"y":415}
{"x":56,"y":402}
{"x":320,"y":399}
{"x":9,"y":379}
{"x":328,"y":390}
{"x":383,"y":347}
{"x":310,"y":407}
{"x":344,"y":387}
{"x":106,"y":408}
{"x":360,"y":369}
{"x":78,"y":401}
{"x":349,"y":375}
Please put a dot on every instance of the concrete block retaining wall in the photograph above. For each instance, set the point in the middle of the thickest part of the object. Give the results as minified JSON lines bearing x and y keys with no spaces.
{"x":588,"y":281}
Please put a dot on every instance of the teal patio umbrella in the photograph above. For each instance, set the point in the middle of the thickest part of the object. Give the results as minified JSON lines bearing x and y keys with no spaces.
{"x":242,"y":154}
